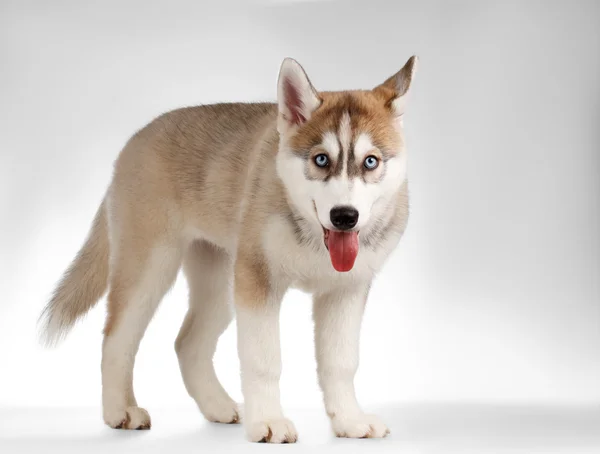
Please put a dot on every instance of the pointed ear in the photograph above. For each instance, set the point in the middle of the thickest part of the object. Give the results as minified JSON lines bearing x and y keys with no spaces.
{"x":297,"y":99}
{"x":396,"y":88}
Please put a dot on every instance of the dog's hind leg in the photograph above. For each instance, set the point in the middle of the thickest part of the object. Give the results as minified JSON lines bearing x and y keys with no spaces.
{"x":209,"y":271}
{"x":143,"y":268}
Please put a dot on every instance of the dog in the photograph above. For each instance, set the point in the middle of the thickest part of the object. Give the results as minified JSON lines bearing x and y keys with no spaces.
{"x":251,"y":199}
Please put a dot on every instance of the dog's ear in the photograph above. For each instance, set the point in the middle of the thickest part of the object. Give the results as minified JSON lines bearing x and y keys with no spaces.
{"x":395,"y":89}
{"x":297,"y":98}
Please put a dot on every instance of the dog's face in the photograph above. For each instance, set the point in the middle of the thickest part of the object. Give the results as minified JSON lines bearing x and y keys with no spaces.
{"x":341,"y":154}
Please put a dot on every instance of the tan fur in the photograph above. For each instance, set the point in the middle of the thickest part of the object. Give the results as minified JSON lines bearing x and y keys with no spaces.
{"x":83,"y":284}
{"x":202,"y":180}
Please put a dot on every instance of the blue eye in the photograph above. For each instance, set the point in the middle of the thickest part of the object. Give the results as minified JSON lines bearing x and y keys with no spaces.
{"x":321,"y":160}
{"x":371,"y":162}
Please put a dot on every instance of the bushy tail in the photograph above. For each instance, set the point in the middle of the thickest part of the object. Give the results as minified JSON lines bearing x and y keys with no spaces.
{"x":82,"y":285}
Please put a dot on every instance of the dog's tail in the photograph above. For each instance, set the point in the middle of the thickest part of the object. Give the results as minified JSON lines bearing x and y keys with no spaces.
{"x":82,"y":285}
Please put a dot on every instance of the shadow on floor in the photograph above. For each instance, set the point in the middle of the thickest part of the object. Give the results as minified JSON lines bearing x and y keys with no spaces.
{"x":416,"y":428}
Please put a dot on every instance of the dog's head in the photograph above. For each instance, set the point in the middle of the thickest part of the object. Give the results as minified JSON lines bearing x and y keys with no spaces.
{"x":341,"y":154}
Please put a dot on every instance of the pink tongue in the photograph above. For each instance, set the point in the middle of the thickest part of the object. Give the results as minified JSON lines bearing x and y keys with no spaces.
{"x":343,"y":249}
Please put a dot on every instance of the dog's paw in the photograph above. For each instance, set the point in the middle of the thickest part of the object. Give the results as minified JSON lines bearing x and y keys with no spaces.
{"x":221,"y":410}
{"x":132,"y":418}
{"x":272,"y":431}
{"x":361,"y":426}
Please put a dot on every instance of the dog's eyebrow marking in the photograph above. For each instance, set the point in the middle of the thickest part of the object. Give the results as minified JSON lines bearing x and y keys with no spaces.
{"x":330,"y":143}
{"x":363,"y":146}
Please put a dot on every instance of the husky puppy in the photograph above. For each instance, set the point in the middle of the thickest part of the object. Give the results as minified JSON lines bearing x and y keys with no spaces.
{"x":252,"y":199}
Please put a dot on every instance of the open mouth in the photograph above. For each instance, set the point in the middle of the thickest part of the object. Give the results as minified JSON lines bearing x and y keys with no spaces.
{"x":342,"y":247}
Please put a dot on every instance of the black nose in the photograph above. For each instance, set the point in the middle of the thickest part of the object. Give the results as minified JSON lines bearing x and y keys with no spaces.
{"x":343,"y":217}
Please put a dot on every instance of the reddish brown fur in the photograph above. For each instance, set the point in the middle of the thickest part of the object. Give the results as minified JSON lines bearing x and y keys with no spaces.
{"x":369,"y":113}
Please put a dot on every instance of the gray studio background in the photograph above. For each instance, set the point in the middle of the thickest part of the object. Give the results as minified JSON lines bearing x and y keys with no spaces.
{"x":493,"y":295}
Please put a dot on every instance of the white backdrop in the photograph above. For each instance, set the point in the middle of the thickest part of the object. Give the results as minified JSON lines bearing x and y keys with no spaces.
{"x":493,"y":294}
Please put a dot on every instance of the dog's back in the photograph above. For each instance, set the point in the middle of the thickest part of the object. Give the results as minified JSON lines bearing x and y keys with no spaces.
{"x":194,"y":164}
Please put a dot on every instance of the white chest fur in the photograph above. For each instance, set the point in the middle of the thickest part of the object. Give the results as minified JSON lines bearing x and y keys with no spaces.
{"x":309,"y":268}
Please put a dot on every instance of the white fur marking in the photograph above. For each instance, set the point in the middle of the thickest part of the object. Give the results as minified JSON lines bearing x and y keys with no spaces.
{"x":331,"y":145}
{"x":260,"y":361}
{"x":345,"y":136}
{"x":363,"y":146}
{"x":338,"y":317}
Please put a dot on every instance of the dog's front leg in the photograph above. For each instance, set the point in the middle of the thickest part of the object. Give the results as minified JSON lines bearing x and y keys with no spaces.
{"x":338,"y":316}
{"x":257,"y":310}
